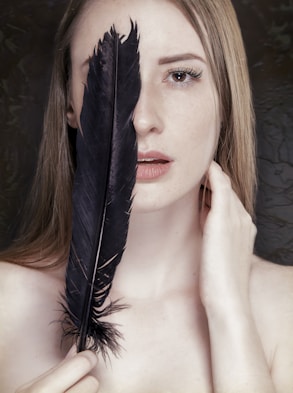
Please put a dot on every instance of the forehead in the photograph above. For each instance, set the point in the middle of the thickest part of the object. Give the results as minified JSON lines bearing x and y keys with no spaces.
{"x":161,"y":25}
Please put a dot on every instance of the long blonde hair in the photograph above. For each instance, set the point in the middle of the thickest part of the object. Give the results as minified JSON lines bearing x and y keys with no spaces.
{"x":223,"y":44}
{"x":46,"y":232}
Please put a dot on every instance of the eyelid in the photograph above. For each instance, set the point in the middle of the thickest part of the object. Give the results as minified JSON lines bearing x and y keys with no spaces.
{"x":193,"y":73}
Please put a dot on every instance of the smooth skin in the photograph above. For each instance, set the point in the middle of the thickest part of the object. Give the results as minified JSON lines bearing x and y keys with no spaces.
{"x":205,"y":314}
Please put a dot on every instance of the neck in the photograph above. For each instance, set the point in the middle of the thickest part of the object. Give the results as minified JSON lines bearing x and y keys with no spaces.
{"x":162,"y":251}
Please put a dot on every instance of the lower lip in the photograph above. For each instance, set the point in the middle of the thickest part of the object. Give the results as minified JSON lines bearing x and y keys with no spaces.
{"x":151,"y":171}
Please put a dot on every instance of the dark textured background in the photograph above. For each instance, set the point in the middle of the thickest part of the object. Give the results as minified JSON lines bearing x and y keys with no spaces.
{"x":26,"y":40}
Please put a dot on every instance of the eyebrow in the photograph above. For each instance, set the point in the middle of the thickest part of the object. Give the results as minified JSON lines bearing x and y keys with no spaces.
{"x":180,"y":57}
{"x":166,"y":59}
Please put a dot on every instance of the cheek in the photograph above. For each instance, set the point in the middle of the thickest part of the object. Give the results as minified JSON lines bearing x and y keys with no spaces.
{"x":201,"y":127}
{"x":204,"y":134}
{"x":199,"y":140}
{"x":208,"y":120}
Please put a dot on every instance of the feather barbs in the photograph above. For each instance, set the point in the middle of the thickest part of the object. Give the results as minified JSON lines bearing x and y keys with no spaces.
{"x":102,"y":192}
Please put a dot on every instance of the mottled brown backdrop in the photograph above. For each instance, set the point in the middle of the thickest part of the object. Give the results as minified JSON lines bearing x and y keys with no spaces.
{"x":26,"y":40}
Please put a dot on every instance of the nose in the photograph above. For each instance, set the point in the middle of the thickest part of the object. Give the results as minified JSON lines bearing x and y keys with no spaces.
{"x":147,"y":116}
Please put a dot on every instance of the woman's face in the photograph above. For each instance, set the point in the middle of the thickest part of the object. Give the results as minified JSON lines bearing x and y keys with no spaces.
{"x":177,"y":115}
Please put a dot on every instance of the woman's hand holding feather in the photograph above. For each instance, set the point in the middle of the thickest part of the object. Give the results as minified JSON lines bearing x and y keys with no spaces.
{"x":72,"y":375}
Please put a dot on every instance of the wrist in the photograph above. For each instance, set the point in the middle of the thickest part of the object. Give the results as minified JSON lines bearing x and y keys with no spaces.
{"x":238,"y":359}
{"x":226,"y":301}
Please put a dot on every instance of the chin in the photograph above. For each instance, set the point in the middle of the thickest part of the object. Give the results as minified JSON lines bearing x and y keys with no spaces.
{"x":152,"y":202}
{"x":143,"y":206}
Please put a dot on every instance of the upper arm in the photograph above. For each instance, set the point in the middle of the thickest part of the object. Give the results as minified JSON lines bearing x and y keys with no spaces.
{"x":282,"y":367}
{"x":29,"y":338}
{"x":8,"y":326}
{"x":282,"y":363}
{"x":272,"y":306}
{"x":282,"y":371}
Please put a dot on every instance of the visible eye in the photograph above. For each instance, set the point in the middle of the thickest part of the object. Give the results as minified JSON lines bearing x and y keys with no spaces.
{"x":183,"y":76}
{"x":179,"y":76}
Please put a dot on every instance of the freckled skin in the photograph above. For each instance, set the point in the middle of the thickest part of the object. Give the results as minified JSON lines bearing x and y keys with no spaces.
{"x":176,"y":114}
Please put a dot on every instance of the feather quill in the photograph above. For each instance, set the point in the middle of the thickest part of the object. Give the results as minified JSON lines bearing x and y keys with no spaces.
{"x":102,"y":191}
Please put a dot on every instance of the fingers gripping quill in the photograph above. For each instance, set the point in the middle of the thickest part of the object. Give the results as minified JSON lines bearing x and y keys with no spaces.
{"x":70,"y":376}
{"x":102,"y":192}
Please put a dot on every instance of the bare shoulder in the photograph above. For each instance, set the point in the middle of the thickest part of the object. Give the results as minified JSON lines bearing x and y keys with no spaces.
{"x":272,"y":284}
{"x":271,"y":294}
{"x":17,"y":283}
{"x":25,"y":293}
{"x":29,"y":311}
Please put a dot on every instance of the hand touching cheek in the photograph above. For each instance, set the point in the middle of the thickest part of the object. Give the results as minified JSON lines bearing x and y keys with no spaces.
{"x":228,"y":239}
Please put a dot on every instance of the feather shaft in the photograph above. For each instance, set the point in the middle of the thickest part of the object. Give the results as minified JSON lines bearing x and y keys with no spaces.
{"x":102,"y":192}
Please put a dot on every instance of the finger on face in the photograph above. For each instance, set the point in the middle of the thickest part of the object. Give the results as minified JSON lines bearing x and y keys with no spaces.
{"x":217,"y":178}
{"x":219,"y":185}
{"x":223,"y":197}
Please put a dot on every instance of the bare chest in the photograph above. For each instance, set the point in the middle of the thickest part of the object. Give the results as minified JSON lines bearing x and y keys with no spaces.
{"x":160,"y":353}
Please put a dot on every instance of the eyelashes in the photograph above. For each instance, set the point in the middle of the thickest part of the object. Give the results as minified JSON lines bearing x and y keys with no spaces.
{"x":181,"y":77}
{"x":177,"y":77}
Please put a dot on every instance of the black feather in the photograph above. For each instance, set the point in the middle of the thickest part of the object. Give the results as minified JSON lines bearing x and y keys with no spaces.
{"x":103,"y":184}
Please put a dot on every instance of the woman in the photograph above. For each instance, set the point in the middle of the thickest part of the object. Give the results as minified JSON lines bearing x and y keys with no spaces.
{"x":205,"y":314}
